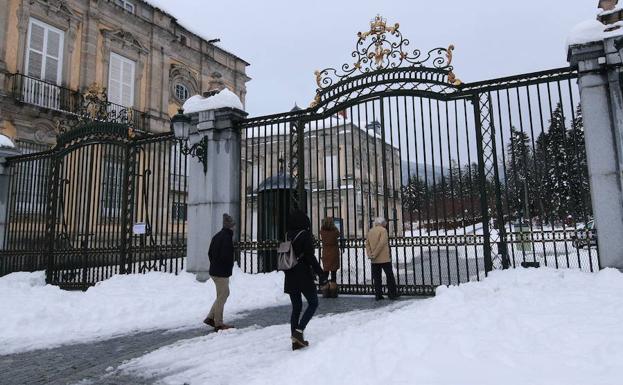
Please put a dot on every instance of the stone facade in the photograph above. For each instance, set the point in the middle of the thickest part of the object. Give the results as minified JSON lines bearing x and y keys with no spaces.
{"x":162,"y":62}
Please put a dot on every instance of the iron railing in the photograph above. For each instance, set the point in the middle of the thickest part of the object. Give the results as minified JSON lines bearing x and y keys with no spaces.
{"x":37,"y":92}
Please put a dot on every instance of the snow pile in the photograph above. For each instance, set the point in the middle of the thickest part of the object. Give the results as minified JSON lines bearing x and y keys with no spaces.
{"x":223,"y":99}
{"x":520,"y":327}
{"x":592,"y":30}
{"x":35,"y":315}
{"x":6,"y":142}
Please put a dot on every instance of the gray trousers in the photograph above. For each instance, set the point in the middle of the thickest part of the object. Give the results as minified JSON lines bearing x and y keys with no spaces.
{"x":222,"y":292}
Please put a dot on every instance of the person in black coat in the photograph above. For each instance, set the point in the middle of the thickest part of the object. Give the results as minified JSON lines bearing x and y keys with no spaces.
{"x":300,"y":279}
{"x":221,"y":254}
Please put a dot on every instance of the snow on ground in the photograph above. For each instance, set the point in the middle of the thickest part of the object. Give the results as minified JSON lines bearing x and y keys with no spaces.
{"x":35,"y":315}
{"x":537,"y":326}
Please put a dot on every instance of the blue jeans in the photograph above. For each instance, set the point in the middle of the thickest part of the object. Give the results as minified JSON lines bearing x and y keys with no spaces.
{"x":297,"y":305}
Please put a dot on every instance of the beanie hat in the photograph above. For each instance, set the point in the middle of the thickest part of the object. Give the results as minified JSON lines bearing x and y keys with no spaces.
{"x":228,"y":221}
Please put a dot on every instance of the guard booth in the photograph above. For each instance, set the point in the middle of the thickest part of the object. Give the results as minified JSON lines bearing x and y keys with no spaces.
{"x":274,"y":196}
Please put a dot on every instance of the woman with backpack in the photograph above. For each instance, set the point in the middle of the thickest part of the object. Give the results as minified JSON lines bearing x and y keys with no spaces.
{"x":329,"y":237}
{"x":299,"y":280}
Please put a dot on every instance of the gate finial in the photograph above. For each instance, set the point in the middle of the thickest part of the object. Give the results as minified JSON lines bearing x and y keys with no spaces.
{"x":383,"y":47}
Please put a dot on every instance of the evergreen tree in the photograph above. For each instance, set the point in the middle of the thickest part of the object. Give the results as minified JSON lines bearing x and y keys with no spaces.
{"x":579,"y":189}
{"x":557,"y":181}
{"x":519,"y":174}
{"x":541,"y":172}
{"x":414,"y":195}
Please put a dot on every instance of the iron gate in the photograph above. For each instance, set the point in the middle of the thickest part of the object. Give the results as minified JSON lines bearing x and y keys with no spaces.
{"x":105,"y":200}
{"x":470,"y":176}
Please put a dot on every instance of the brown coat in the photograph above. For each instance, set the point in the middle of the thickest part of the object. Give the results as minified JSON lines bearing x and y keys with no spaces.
{"x":330,"y":249}
{"x":377,"y":245}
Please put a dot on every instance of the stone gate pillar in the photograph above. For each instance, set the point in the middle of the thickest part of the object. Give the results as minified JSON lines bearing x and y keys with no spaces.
{"x":215,"y":188}
{"x":7,"y":148}
{"x":600,"y":66}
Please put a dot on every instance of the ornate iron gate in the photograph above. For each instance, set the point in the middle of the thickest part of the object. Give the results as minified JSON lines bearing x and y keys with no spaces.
{"x":463,"y":172}
{"x":105,"y":200}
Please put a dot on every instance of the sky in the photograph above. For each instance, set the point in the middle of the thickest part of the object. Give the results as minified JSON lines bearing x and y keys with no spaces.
{"x":286,"y":41}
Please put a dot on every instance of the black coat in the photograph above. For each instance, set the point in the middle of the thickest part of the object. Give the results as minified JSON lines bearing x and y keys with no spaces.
{"x":221,"y":253}
{"x":301,"y":277}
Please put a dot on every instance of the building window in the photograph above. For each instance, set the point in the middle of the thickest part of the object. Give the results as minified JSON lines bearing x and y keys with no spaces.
{"x":178,"y":211}
{"x":44,"y":61}
{"x":32,"y":184}
{"x":44,"y":56}
{"x":125,"y":5}
{"x":332,"y":212}
{"x":111,"y":187}
{"x":331,"y":171}
{"x":181,"y":92}
{"x":121,"y":80}
{"x":178,"y":166}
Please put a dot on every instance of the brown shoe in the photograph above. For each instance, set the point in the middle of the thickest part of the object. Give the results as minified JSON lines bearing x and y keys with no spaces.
{"x":209,"y":321}
{"x":223,"y":327}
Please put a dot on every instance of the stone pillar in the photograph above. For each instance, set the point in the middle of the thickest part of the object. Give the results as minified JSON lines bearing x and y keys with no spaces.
{"x":217,"y":191}
{"x":4,"y":188}
{"x":600,"y":67}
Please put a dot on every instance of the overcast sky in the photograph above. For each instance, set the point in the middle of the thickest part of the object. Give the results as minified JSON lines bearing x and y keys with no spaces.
{"x":285,"y":41}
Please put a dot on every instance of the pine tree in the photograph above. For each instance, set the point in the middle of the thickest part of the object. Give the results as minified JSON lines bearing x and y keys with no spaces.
{"x":519,"y":174}
{"x":557,"y":181}
{"x":541,"y":171}
{"x":414,"y":195}
{"x":579,"y":190}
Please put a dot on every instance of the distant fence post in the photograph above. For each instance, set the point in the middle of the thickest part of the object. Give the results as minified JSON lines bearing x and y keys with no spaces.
{"x":214,"y":182}
{"x":600,"y":68}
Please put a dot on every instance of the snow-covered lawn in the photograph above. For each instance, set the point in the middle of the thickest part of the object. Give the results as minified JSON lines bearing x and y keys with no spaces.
{"x":524,"y":327}
{"x":35,"y":315}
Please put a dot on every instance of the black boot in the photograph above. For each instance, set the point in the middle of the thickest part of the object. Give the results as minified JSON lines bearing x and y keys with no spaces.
{"x":334,"y":290}
{"x":298,"y":339}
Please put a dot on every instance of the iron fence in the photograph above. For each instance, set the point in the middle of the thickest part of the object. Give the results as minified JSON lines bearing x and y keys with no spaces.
{"x":463,"y":174}
{"x":471,"y":177}
{"x":97,"y":204}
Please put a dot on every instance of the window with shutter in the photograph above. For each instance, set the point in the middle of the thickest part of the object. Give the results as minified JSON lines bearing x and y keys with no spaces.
{"x":44,"y":60}
{"x":121,"y":80}
{"x":44,"y":56}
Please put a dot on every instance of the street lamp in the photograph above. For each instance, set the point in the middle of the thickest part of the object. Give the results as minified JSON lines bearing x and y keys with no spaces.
{"x":183,"y":128}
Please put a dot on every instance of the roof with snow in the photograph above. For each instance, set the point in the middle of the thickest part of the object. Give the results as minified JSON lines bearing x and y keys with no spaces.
{"x":169,"y":8}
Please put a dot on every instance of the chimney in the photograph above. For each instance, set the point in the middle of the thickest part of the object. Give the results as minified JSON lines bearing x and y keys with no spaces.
{"x":607,"y":5}
{"x":610,"y":14}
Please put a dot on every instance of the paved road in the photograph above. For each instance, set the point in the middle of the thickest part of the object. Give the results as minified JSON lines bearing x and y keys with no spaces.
{"x":95,"y":363}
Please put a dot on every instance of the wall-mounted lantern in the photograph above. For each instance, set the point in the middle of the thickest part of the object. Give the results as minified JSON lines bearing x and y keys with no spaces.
{"x":183,"y":128}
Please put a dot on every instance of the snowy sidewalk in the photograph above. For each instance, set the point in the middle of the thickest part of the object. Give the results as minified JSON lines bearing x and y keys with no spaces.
{"x":94,"y":363}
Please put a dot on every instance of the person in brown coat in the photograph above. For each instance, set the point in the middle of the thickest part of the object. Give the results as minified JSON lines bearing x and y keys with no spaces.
{"x":377,"y":248}
{"x":329,"y":235}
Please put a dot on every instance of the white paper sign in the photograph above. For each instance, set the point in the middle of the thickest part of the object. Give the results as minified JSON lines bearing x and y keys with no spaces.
{"x":139,"y":228}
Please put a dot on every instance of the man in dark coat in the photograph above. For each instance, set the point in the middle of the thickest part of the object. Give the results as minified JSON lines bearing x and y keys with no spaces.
{"x":299,"y":280}
{"x":221,"y":255}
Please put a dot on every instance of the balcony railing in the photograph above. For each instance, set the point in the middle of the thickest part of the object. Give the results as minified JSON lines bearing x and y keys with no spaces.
{"x":50,"y":96}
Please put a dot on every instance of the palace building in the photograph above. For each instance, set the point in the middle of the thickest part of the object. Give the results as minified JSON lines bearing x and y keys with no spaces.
{"x":52,"y":51}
